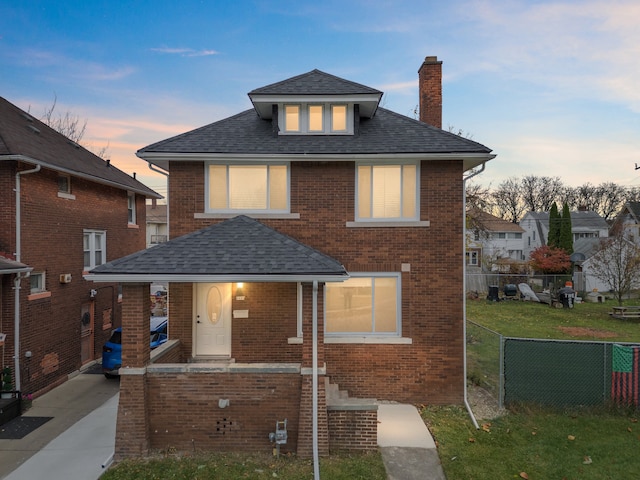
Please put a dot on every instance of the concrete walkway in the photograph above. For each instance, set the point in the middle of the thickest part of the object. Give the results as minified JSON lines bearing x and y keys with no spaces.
{"x":75,"y":442}
{"x":408,"y":450}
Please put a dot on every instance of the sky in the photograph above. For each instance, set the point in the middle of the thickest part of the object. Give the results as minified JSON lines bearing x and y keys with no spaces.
{"x":552,"y":87}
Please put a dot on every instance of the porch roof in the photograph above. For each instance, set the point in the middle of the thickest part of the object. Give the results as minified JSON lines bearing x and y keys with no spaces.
{"x":11,"y":266}
{"x":239,"y":249}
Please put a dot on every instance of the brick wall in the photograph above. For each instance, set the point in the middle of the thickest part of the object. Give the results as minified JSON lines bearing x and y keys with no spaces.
{"x":184,"y":412}
{"x":430,"y":369}
{"x":352,"y":430}
{"x":52,"y":242}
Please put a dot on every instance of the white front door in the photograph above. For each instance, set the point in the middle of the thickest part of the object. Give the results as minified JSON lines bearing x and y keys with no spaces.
{"x":213,"y":320}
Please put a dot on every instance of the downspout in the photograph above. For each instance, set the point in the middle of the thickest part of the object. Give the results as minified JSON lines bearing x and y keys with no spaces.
{"x":314,"y":382}
{"x":17,"y":279}
{"x":153,"y":168}
{"x":464,"y":289}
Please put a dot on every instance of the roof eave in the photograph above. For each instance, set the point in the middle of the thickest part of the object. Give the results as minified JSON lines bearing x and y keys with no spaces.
{"x":206,"y":278}
{"x":23,"y":158}
{"x":162,"y":159}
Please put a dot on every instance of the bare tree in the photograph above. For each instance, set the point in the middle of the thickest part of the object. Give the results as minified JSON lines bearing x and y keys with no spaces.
{"x":478,"y":196}
{"x":612,"y":198}
{"x":539,"y":193}
{"x":67,"y":124}
{"x":617,"y":263}
{"x":507,"y":200}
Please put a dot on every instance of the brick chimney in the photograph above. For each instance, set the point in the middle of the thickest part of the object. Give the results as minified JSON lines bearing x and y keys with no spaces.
{"x":430,"y":88}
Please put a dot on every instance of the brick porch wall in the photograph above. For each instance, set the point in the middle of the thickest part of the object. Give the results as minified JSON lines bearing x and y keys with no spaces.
{"x":184,"y":413}
{"x":352,"y":430}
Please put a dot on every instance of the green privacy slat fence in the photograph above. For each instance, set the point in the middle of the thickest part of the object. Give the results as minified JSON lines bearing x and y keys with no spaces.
{"x":557,"y":373}
{"x":552,"y":372}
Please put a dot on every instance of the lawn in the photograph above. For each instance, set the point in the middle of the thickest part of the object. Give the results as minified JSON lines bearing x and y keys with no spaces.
{"x":227,"y":466}
{"x":537,"y":444}
{"x":533,"y":442}
{"x":586,"y":321}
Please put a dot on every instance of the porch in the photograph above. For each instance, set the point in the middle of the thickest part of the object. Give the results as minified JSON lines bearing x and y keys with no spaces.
{"x":227,"y":406}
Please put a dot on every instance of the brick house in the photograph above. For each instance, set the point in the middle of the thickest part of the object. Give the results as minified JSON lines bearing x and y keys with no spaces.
{"x":315,"y":265}
{"x":63,"y":210}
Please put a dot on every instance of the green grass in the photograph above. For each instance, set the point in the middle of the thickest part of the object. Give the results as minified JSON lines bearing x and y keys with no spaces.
{"x":586,"y":321}
{"x":227,"y":466}
{"x":541,"y":443}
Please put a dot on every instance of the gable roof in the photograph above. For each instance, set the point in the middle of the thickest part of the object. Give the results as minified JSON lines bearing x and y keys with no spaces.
{"x":238,"y":249}
{"x":27,"y":139}
{"x":580,"y":219}
{"x":491,"y":223}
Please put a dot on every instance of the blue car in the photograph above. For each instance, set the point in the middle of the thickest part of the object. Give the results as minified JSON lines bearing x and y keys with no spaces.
{"x":112,"y":350}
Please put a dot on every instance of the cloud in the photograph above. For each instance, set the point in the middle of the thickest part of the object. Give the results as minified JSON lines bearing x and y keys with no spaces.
{"x":185,"y":52}
{"x":588,"y":50}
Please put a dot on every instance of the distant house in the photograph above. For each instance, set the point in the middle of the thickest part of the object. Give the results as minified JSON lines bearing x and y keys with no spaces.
{"x":493,"y":242}
{"x":629,"y":220}
{"x":63,"y":211}
{"x":584,"y":224}
{"x":157,"y":224}
{"x":316,"y":246}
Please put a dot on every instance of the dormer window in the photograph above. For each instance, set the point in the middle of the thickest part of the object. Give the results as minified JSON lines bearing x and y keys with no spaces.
{"x":316,"y":119}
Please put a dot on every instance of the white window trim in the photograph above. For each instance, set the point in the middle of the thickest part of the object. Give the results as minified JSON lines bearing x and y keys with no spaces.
{"x":383,"y":222}
{"x":131,"y":206}
{"x":92,"y":247}
{"x":369,"y":335}
{"x":43,"y":283}
{"x":303,"y":120}
{"x":250,"y":212}
{"x":298,"y":338}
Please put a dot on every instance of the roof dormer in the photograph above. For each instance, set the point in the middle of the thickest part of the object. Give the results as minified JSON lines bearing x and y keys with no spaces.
{"x":315,"y":103}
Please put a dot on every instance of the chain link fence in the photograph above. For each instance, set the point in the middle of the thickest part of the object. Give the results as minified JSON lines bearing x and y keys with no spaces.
{"x":557,"y":373}
{"x":484,"y":360}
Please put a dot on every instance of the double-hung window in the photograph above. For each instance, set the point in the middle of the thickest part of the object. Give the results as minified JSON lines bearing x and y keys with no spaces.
{"x":387,"y":192}
{"x":95,"y":248}
{"x":365,"y":304}
{"x":248,"y":188}
{"x":131,"y":208}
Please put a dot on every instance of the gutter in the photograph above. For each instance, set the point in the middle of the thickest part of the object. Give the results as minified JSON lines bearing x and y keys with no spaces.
{"x":18,"y":278}
{"x":23,"y":158}
{"x":464,"y":289}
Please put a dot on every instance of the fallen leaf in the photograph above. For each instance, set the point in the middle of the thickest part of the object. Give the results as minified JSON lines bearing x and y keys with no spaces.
{"x":634,"y":420}
{"x":629,"y":429}
{"x":486,"y":427}
{"x":524,"y":475}
{"x":571,"y":437}
{"x":534,"y":433}
{"x":472,"y":440}
{"x":587,"y":460}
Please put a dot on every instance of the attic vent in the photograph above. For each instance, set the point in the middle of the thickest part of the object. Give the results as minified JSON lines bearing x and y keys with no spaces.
{"x":33,"y":128}
{"x":28,"y":117}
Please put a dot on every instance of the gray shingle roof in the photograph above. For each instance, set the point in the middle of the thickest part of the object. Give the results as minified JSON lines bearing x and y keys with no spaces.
{"x":240,"y":246}
{"x":23,"y":135}
{"x":314,"y":82}
{"x":386,"y":133}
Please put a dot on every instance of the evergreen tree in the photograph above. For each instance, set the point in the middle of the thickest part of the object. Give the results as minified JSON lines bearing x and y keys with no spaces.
{"x":565,"y":240}
{"x":554,"y":226}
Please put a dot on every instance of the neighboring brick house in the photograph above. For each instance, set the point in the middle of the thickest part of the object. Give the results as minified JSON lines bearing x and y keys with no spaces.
{"x":63,"y":210}
{"x":316,"y":247}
